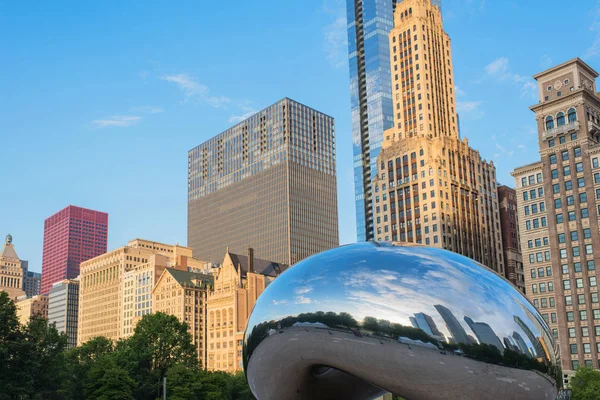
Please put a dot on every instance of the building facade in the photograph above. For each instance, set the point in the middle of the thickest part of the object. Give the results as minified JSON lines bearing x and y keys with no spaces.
{"x":11,"y":272}
{"x":237,"y":285}
{"x":268,"y":182}
{"x":32,"y":307}
{"x":558,"y":210}
{"x":183,"y":294}
{"x":71,"y":236}
{"x":32,"y":282}
{"x":513,"y":260}
{"x":116,"y":287}
{"x":369,"y":23}
{"x":431,"y":187}
{"x":63,"y":308}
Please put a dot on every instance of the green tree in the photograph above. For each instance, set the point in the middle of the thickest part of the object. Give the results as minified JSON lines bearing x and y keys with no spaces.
{"x":586,"y":384}
{"x":216,"y":386}
{"x":13,"y":376}
{"x":79,"y":362}
{"x":107,"y":381}
{"x":158,"y":343}
{"x":240,"y":388}
{"x":183,"y":383}
{"x":44,"y":359}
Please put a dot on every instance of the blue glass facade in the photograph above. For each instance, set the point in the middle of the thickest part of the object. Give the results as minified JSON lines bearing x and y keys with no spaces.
{"x":369,"y":23}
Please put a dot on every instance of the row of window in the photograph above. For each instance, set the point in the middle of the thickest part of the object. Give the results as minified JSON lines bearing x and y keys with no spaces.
{"x":533,"y":194}
{"x":578,"y":283}
{"x":583,"y":315}
{"x":531,"y":179}
{"x":534,"y":209}
{"x":587,"y":348}
{"x":543,"y":302}
{"x":561,"y":139}
{"x":560,"y":119}
{"x":538,"y":242}
{"x":587,"y":234}
{"x":571,"y":200}
{"x":535,"y":223}
{"x":542,"y":287}
{"x":540,"y":271}
{"x":591,"y":266}
{"x":567,"y":170}
{"x":564,"y":155}
{"x":581,"y":299}
{"x":539,"y":257}
{"x":587,"y":363}
{"x":572,"y":215}
{"x":568,"y":185}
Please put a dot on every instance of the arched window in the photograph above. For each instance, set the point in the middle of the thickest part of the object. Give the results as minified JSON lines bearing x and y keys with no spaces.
{"x":549,"y":123}
{"x":572,"y":115}
{"x":560,"y":119}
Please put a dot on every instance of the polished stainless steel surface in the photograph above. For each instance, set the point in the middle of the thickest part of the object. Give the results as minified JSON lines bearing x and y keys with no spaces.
{"x":423,"y":323}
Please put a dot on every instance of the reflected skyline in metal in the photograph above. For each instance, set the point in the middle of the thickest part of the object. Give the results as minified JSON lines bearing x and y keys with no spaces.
{"x":423,"y":323}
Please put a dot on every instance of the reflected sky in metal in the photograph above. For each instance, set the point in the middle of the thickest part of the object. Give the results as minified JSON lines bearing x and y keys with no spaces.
{"x":423,"y":323}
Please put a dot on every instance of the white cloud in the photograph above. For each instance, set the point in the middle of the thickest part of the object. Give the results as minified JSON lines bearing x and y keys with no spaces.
{"x":194,"y":90}
{"x":546,"y":61}
{"x":335,"y":33}
{"x":248,"y":112}
{"x":467,"y":106}
{"x":303,"y":290}
{"x":302,"y":300}
{"x":594,"y":48}
{"x":147,"y":110}
{"x":458,"y":91}
{"x":499,"y":70}
{"x":117,"y":121}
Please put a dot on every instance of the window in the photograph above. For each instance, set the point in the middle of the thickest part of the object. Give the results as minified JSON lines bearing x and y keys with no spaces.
{"x":584,"y":213}
{"x":559,"y":218}
{"x":579,"y":283}
{"x":585,"y":331}
{"x":533,"y":272}
{"x":538,"y":242}
{"x":564,"y":155}
{"x":561,"y":237}
{"x":590,"y":265}
{"x":571,"y":332}
{"x":568,"y":300}
{"x":570,"y":200}
{"x":580,"y":182}
{"x":572,"y":216}
{"x":552,"y":158}
{"x":538,"y":177}
{"x":552,"y":303}
{"x":577,"y":151}
{"x":530,"y":244}
{"x":567,"y":284}
{"x":566,"y":170}
{"x":574,"y":235}
{"x":551,"y":141}
{"x":526,"y":210}
{"x":597,"y":177}
{"x":596,"y":313}
{"x":575,"y":251}
{"x":587,"y":348}
{"x":540,"y":270}
{"x":577,"y":267}
{"x":592,"y":280}
{"x":554,"y":173}
{"x":579,"y":167}
{"x":549,"y":123}
{"x":595,"y":162}
{"x":534,"y":288}
{"x":548,"y":269}
{"x":583,"y":197}
{"x":562,"y":140}
{"x":568,"y":185}
{"x":560,"y":119}
{"x":542,"y":287}
{"x":525,"y":195}
{"x":573,"y":349}
{"x":570,"y":316}
{"x":565,"y":268}
{"x":594,"y":297}
{"x":588,"y":249}
{"x":581,"y":299}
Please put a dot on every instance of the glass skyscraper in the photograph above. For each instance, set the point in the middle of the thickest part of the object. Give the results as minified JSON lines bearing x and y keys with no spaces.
{"x":369,"y":23}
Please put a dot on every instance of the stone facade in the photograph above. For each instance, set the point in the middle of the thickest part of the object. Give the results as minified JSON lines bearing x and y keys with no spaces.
{"x":11,"y":272}
{"x":431,"y":187}
{"x":558,"y":201}
{"x":183,"y":294}
{"x":513,"y":261}
{"x":237,"y":285}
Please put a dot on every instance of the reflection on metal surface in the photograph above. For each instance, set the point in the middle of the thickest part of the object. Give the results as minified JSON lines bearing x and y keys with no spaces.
{"x":423,"y":323}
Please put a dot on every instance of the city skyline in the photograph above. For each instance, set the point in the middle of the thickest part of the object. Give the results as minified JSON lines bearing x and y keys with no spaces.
{"x":61,"y":128}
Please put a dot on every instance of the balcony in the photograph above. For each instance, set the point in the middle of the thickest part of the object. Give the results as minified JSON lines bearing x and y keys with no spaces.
{"x":559,"y":130}
{"x":593,"y":128}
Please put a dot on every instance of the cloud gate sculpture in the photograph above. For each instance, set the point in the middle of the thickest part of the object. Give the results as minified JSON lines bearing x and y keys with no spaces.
{"x":361,"y":320}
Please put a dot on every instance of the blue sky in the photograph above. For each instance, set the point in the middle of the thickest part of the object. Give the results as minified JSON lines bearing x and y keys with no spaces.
{"x":100,"y":101}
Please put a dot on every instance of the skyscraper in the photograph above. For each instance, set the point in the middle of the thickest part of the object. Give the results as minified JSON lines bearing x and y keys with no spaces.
{"x":63,"y":308}
{"x":454,"y":327}
{"x":484,"y":333}
{"x":513,"y":261}
{"x":11,"y":271}
{"x":369,"y":22}
{"x":430,"y":186}
{"x":558,"y":208}
{"x":268,"y":183}
{"x":71,"y":236}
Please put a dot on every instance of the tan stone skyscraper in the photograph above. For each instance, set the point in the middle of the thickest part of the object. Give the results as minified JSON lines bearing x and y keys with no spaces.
{"x":11,"y":271}
{"x":431,"y":187}
{"x":559,"y":206}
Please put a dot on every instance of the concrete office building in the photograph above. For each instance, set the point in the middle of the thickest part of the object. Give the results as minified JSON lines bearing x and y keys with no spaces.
{"x":431,"y":187}
{"x":269,"y":183}
{"x":32,"y":281}
{"x":513,"y":260}
{"x":11,"y":272}
{"x":63,"y":308}
{"x":558,"y":212}
{"x":71,"y":236}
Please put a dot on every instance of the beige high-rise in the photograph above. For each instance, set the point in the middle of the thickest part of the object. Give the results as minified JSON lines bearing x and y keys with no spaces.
{"x":237,"y":285}
{"x":116,"y":288}
{"x":11,"y":272}
{"x":183,"y":294}
{"x":27,"y":308}
{"x":559,"y":207}
{"x":431,"y":187}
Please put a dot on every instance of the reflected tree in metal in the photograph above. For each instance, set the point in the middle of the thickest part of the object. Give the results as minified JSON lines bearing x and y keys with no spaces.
{"x":423,"y":323}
